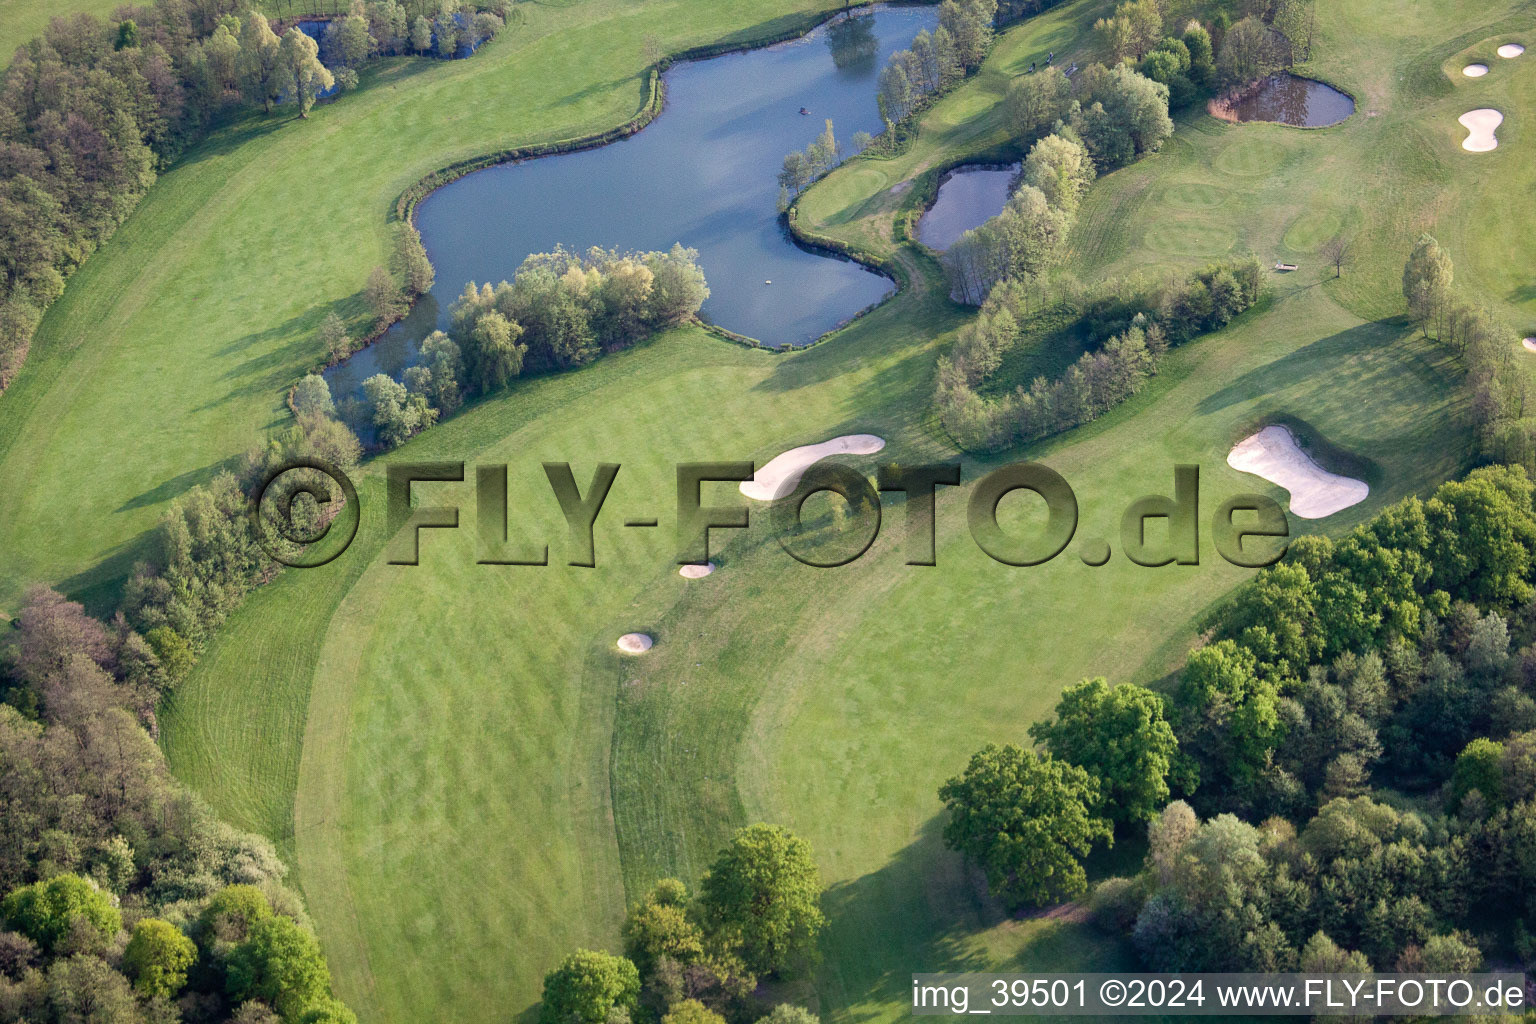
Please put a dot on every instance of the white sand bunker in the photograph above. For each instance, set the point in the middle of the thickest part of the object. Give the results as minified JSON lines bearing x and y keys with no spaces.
{"x":1511,"y":50}
{"x":1272,"y":454}
{"x":1475,"y":70}
{"x":782,"y":474}
{"x":696,"y":572}
{"x":1530,"y":344}
{"x":1480,"y":125}
{"x":635,"y":643}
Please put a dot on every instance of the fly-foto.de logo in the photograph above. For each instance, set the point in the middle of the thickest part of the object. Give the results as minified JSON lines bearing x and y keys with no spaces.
{"x":1247,"y":530}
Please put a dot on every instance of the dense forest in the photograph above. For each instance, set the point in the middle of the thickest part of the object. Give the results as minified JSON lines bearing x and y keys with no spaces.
{"x":1354,"y":745}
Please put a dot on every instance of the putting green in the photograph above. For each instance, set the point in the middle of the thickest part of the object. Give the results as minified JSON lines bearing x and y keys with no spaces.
{"x":1195,"y":196}
{"x":1253,"y":157}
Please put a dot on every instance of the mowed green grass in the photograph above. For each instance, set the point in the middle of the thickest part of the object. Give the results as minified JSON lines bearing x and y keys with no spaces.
{"x":20,"y":20}
{"x":467,"y":721}
{"x":467,"y":775}
{"x":173,"y":346}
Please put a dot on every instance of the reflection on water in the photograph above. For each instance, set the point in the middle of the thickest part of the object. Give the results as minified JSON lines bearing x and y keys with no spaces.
{"x":853,"y":45}
{"x":1286,"y":99}
{"x":703,"y":174}
{"x":968,"y":198}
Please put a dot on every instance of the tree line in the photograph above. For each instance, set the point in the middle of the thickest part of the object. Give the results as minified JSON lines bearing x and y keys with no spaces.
{"x":1137,"y":320}
{"x":1106,"y":118}
{"x":913,"y":78}
{"x":699,"y":959}
{"x":91,"y":111}
{"x":126,"y":901}
{"x":1487,"y":347}
{"x":561,"y":310}
{"x":1354,"y":743}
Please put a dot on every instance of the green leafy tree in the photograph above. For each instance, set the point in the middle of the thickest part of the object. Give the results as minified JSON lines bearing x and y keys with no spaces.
{"x":306,"y":78}
{"x":127,"y":35}
{"x":87,"y":990}
{"x":261,"y":62}
{"x":1202,"y":60}
{"x":659,"y":926}
{"x":1321,"y":955}
{"x":411,"y":264}
{"x":329,"y":1011}
{"x":279,"y":963}
{"x":1228,"y":716}
{"x":48,"y":911}
{"x":1027,"y":821}
{"x":173,"y":651}
{"x":762,"y":897}
{"x":229,"y":917}
{"x":333,"y":337}
{"x":1121,"y":114}
{"x":1249,"y":51}
{"x":587,"y":986}
{"x":691,"y":1011}
{"x":383,"y":298}
{"x":421,"y":34}
{"x":157,"y":957}
{"x":1480,"y":766}
{"x":312,"y":397}
{"x":348,"y":41}
{"x":445,"y":32}
{"x":1483,"y":535}
{"x":1035,"y":102}
{"x":1118,"y":734}
{"x":495,"y":356}
{"x":1427,"y":278}
{"x":1061,"y":169}
{"x":789,"y":1013}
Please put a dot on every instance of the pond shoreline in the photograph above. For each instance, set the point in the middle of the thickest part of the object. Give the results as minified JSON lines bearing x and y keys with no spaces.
{"x":1226,"y":106}
{"x":653,"y":105}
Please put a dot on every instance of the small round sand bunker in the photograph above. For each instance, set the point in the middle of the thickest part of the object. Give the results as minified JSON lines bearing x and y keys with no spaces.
{"x":1273,"y":454}
{"x":1481,"y":125}
{"x":1511,"y":50}
{"x":696,"y":572}
{"x":1475,"y":70}
{"x":782,"y":474}
{"x":1530,"y":344}
{"x":635,"y":643}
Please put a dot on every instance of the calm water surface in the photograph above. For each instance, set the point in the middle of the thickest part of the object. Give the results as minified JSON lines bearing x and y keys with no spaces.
{"x":968,"y":198}
{"x":703,"y":173}
{"x":1288,"y":99}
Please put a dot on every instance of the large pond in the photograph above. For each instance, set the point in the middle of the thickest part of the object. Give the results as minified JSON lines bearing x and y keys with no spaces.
{"x":968,"y":198}
{"x":703,"y":173}
{"x":1287,"y":99}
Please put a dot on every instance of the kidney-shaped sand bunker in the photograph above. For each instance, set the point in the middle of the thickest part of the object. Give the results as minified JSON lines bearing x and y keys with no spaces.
{"x":1273,"y":454}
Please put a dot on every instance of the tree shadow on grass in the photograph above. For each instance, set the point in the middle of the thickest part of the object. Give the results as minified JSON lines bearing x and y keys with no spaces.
{"x":914,"y":914}
{"x":100,"y":588}
{"x":269,"y":370}
{"x":178,"y":485}
{"x":1283,"y":373}
{"x":926,"y":911}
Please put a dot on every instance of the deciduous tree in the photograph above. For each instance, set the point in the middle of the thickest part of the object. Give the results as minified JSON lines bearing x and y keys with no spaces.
{"x":1027,"y":821}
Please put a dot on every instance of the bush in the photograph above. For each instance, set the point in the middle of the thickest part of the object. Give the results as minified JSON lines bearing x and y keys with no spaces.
{"x":65,"y":906}
{"x":157,"y":956}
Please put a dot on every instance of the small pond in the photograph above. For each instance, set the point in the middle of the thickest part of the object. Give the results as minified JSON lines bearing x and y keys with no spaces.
{"x":968,"y":198}
{"x":703,"y":174}
{"x":1286,"y":99}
